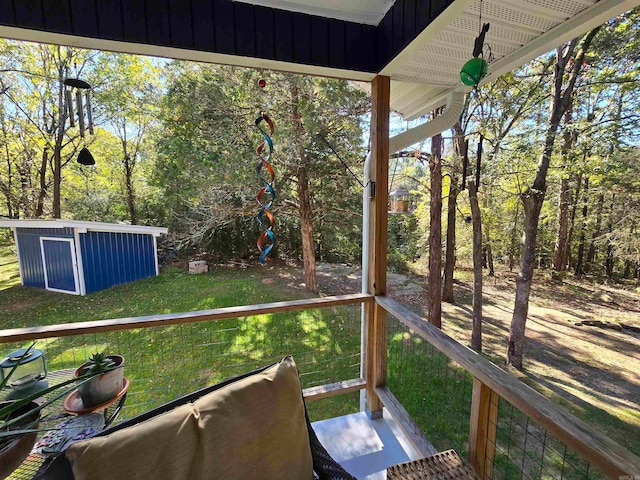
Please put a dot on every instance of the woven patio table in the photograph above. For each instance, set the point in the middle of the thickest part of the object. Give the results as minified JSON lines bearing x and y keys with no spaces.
{"x":446,"y":465}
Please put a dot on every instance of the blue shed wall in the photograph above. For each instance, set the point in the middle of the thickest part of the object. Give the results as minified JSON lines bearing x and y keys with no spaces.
{"x":30,"y":255}
{"x":114,"y":258}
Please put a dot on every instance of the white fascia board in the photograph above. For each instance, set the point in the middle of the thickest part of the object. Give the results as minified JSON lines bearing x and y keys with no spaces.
{"x":596,"y":15}
{"x":178,"y":53}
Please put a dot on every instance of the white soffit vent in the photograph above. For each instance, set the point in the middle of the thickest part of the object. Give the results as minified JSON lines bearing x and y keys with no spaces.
{"x":360,"y":11}
{"x":520,"y":30}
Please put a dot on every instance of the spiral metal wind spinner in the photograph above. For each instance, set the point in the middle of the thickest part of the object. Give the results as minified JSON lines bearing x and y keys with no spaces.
{"x":265,"y":218}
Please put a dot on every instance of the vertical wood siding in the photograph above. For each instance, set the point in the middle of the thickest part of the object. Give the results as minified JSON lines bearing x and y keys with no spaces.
{"x":115,"y":258}
{"x":234,"y":28}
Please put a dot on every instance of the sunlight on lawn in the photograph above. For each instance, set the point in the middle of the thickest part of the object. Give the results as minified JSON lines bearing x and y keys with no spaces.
{"x":9,"y":272}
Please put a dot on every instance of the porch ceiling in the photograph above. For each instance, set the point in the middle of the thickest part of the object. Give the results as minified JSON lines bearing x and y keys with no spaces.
{"x":428,"y":69}
{"x":420,"y":44}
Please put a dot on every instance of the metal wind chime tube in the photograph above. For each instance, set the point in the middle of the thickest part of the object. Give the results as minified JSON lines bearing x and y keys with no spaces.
{"x":82,"y":89}
{"x":265,"y":218}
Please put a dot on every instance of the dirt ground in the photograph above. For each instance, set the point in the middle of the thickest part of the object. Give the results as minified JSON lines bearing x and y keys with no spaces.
{"x":596,"y":369}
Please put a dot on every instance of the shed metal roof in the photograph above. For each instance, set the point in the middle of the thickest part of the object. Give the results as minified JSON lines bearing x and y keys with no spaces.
{"x":83,"y":227}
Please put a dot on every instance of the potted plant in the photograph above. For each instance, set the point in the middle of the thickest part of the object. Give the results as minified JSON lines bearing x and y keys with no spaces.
{"x":19,"y":418}
{"x":107,"y":378}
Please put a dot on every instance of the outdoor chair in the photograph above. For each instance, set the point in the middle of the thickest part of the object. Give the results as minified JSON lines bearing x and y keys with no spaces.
{"x":251,"y":426}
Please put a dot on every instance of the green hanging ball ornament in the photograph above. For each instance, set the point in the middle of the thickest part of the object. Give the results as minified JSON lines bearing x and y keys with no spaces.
{"x":473,"y":71}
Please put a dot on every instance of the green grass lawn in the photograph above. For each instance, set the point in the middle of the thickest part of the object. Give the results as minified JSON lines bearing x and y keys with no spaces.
{"x":166,"y":362}
{"x":9,"y":274}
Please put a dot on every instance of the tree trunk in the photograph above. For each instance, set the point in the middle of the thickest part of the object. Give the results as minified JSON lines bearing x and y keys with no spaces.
{"x":583,"y":230}
{"x":306,"y":231}
{"x":434,"y":298}
{"x":532,"y":202}
{"x":591,"y":253}
{"x":57,"y":181}
{"x":129,"y":165}
{"x":452,"y":205}
{"x":569,"y":138}
{"x":450,"y":254}
{"x":574,"y":208}
{"x":492,"y":271}
{"x":533,"y":196}
{"x":131,"y":195}
{"x":42,"y":192}
{"x":610,"y":259}
{"x":559,"y":251}
{"x":476,"y":331}
{"x":304,"y":198}
{"x":514,"y":240}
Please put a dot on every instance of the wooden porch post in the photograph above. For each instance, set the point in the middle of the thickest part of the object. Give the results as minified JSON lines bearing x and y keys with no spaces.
{"x":376,"y":316}
{"x":482,"y":431}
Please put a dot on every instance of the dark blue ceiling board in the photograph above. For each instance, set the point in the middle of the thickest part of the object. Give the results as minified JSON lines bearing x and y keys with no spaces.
{"x":245,"y":29}
{"x":336,"y":43}
{"x":438,"y":6}
{"x":397,"y":13}
{"x":368,"y":49}
{"x":134,"y":23}
{"x":384,"y":34}
{"x":423,"y":14}
{"x":319,"y":41}
{"x":233,"y":28}
{"x":409,"y":20}
{"x":6,"y":12}
{"x":353,"y":46}
{"x":265,"y":33}
{"x":109,"y":16}
{"x":57,"y":15}
{"x":202,"y":18}
{"x":29,"y":13}
{"x":302,"y":38}
{"x":158,"y":26}
{"x":224,"y":26}
{"x":83,"y":17}
{"x":181,"y":24}
{"x":283,"y":25}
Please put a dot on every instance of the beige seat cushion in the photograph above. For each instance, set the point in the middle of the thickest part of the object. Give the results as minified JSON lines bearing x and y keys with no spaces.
{"x":254,"y":428}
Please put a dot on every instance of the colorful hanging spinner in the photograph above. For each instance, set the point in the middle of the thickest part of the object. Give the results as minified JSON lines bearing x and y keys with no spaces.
{"x":267,"y":193}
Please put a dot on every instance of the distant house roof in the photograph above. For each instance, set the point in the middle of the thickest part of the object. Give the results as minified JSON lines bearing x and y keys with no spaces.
{"x":84,"y":227}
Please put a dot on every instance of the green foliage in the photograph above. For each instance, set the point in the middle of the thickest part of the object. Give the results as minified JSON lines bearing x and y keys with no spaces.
{"x":99,"y":362}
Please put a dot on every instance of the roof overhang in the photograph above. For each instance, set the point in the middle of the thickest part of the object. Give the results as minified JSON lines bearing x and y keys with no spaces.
{"x":420,"y":44}
{"x":83,"y":227}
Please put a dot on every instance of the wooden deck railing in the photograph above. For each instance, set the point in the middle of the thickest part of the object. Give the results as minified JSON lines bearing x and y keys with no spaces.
{"x":608,"y":457}
{"x":86,"y":329}
{"x":489,"y":383}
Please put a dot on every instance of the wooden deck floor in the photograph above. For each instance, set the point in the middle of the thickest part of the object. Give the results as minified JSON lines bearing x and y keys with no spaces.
{"x":365,"y":447}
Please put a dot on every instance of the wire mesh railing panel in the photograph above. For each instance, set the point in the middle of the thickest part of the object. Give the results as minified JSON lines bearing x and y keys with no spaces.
{"x":435,"y":390}
{"x":523,"y":449}
{"x":163,"y":363}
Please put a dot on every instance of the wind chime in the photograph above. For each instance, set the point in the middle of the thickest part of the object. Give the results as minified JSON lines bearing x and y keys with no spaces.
{"x":81,"y":90}
{"x":267,"y":193}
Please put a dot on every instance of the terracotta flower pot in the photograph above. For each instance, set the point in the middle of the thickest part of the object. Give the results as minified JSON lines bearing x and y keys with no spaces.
{"x":14,"y":451}
{"x":101,"y":388}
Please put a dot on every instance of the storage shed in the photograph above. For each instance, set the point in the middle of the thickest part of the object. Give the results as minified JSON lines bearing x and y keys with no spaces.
{"x":76,"y":257}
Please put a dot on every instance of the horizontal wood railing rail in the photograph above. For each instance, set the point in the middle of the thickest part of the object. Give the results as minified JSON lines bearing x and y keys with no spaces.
{"x":333,"y":389}
{"x":80,"y":328}
{"x":609,"y":457}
